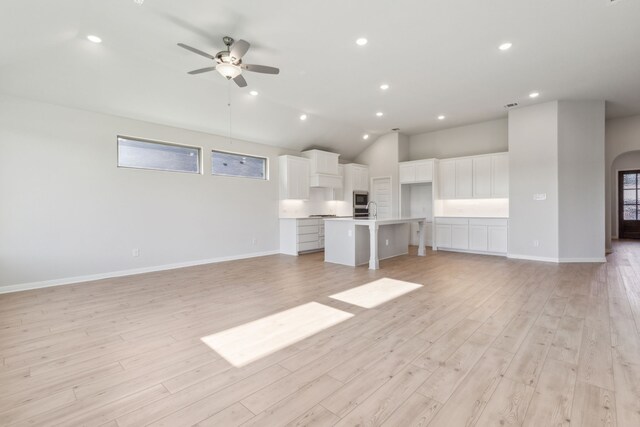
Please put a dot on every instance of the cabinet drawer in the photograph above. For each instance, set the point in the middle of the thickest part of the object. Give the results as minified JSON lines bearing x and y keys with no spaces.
{"x":307,"y":246}
{"x":307,"y":222}
{"x":303,"y":238}
{"x":308,"y":229}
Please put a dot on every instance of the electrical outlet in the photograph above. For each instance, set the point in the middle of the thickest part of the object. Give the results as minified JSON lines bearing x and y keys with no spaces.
{"x":387,"y":242}
{"x":536,"y":243}
{"x":349,"y":233}
{"x":254,"y":241}
{"x":135,"y":252}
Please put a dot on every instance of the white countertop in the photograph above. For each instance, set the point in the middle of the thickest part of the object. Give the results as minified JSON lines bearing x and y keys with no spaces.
{"x":383,"y":221}
{"x":470,"y":216}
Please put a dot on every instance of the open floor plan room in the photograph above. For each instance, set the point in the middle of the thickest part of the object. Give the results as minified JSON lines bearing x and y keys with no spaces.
{"x":320,"y":213}
{"x":484,"y":341}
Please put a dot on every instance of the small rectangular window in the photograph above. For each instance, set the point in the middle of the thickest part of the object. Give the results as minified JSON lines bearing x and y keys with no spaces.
{"x":143,"y":154}
{"x":232,"y":164}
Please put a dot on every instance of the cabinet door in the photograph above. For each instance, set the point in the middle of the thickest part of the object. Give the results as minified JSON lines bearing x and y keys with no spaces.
{"x":443,"y":235}
{"x":407,"y":173}
{"x":482,"y":177}
{"x":447,"y":178}
{"x":299,"y":180}
{"x":460,"y":236}
{"x":424,"y":171}
{"x":464,"y":179}
{"x":362,"y":175}
{"x":478,"y":238}
{"x":500,"y":175}
{"x":497,"y":239}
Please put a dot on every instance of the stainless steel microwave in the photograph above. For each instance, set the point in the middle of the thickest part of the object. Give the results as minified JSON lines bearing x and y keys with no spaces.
{"x":360,"y":199}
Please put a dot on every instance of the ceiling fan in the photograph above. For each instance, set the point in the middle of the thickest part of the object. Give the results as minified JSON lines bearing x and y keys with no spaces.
{"x":229,"y":62}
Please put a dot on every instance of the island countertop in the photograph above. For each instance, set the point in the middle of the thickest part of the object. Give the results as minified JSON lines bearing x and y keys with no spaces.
{"x":378,"y":221}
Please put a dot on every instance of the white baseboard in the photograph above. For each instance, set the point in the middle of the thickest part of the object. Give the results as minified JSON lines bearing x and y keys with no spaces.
{"x":533,"y":258}
{"x":130,"y":272}
{"x":557,"y":260}
{"x":588,"y":260}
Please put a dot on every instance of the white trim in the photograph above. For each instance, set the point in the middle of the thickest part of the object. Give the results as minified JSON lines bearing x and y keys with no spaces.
{"x":130,"y":272}
{"x":471,"y":252}
{"x":587,"y":260}
{"x":556,"y":260}
{"x":533,"y":258}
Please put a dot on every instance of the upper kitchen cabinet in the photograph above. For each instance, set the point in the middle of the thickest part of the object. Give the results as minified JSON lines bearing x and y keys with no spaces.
{"x":500,"y":175}
{"x":323,"y":169}
{"x":322,"y":162}
{"x":416,"y":171}
{"x":356,"y":178}
{"x":294,"y":177}
{"x":476,"y":177}
{"x":482,"y":177}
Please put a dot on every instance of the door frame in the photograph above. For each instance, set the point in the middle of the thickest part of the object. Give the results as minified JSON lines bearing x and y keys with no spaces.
{"x":619,"y":196}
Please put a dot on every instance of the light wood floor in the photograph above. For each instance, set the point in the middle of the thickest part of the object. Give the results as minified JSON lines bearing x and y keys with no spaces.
{"x":486,"y":341}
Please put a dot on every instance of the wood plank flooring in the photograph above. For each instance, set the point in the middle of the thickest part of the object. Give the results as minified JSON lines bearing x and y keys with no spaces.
{"x":486,"y":341}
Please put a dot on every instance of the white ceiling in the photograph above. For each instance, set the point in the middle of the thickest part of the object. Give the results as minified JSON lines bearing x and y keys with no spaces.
{"x":440,"y":57}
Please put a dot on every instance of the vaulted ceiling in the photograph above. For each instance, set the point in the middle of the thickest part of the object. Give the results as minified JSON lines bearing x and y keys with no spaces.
{"x":438,"y":58}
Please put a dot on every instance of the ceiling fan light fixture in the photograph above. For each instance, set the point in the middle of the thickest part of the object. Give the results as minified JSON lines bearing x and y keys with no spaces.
{"x":229,"y":71}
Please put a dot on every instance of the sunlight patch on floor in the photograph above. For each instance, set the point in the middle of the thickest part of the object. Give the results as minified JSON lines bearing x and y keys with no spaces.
{"x":249,"y":342}
{"x":375,"y":293}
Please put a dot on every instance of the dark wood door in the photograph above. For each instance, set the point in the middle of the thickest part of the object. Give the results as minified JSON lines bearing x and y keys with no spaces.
{"x":629,"y":204}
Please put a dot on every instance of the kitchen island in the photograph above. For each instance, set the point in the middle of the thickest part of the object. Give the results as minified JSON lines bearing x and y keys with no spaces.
{"x":356,"y":241}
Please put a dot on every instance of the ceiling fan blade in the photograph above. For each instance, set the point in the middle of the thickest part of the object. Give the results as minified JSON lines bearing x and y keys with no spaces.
{"x":198,"y":51}
{"x":239,"y":48}
{"x":261,"y":69}
{"x":240,"y":81}
{"x":202,"y":70}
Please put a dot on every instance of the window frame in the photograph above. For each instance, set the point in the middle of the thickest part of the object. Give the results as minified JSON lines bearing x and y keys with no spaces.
{"x":266,"y":165}
{"x":159,"y":142}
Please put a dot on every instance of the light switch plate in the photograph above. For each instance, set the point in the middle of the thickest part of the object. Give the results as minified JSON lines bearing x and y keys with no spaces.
{"x":540,"y":196}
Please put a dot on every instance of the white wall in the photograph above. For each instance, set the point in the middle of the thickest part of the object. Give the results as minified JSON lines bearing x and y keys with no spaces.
{"x":68,"y":211}
{"x":382,"y":158}
{"x":471,"y":140}
{"x":624,"y":162}
{"x":581,"y":179}
{"x":622,"y":136}
{"x":533,"y":169}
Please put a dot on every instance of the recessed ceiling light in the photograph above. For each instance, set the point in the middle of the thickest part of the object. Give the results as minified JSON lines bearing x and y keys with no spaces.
{"x":94,"y":39}
{"x":138,"y":1}
{"x":441,"y":117}
{"x":365,"y":136}
{"x":379,"y":114}
{"x":303,"y":117}
{"x":361,"y":41}
{"x":505,"y":46}
{"x":384,"y":86}
{"x":253,"y":93}
{"x":534,"y":94}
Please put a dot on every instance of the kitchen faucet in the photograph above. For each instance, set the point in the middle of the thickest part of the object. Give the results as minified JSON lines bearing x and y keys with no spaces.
{"x":375,"y":211}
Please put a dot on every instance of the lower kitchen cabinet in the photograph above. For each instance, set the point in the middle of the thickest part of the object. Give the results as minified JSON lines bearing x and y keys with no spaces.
{"x":477,"y":235}
{"x":298,"y":235}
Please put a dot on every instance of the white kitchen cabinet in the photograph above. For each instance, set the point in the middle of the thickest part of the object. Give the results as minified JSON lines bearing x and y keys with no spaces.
{"x":447,"y":179}
{"x":460,"y":236}
{"x":322,"y":162}
{"x":299,"y":235}
{"x":478,"y":238}
{"x":477,"y":235}
{"x":500,"y":175}
{"x":294,"y":178}
{"x":356,"y":177}
{"x":443,"y":235}
{"x":416,"y":171}
{"x":464,"y":178}
{"x":497,"y":238}
{"x":482,"y":177}
{"x":337,"y":193}
{"x":479,"y":177}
